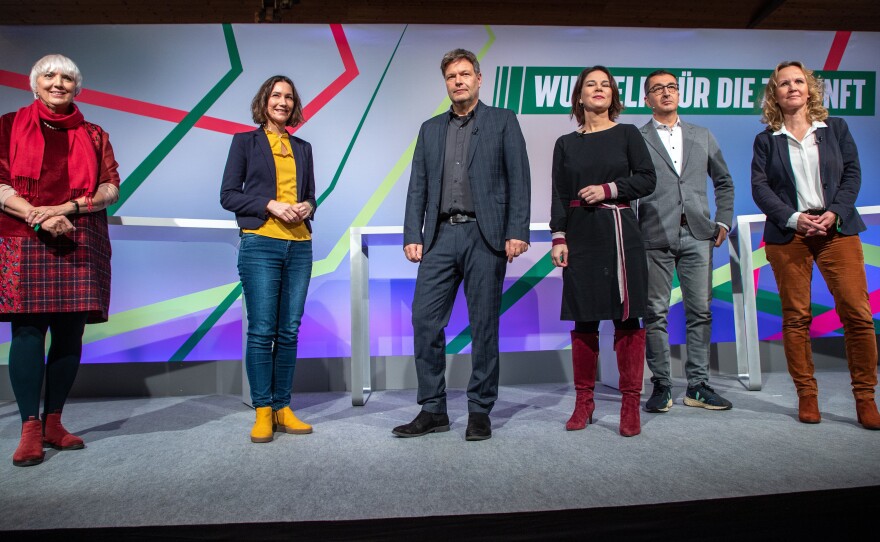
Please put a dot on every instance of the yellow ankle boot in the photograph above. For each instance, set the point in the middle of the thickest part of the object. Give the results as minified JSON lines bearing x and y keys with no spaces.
{"x":262,"y":431}
{"x":287,"y":422}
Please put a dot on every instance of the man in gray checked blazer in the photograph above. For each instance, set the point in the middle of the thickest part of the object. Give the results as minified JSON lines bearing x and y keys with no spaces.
{"x":680,"y":235}
{"x":467,"y":217}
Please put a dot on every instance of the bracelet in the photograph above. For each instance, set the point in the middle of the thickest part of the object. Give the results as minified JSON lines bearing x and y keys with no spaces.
{"x":75,"y":204}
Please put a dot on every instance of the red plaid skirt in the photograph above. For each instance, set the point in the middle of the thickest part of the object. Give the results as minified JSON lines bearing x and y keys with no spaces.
{"x":69,"y":273}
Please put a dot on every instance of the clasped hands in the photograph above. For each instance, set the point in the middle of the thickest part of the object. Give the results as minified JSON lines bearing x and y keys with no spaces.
{"x":51,"y":219}
{"x":290,"y":213}
{"x":816,"y":226}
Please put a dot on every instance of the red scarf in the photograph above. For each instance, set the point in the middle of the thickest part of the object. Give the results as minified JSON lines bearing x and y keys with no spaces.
{"x":27,"y":145}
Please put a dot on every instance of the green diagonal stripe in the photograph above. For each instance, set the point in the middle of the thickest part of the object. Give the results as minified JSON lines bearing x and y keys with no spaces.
{"x":148,"y":315}
{"x":872,"y":254}
{"x":152,"y":161}
{"x":517,"y":290}
{"x":360,"y":124}
{"x":329,"y":263}
{"x":769,"y":303}
{"x":206,"y":326}
{"x":203,"y":329}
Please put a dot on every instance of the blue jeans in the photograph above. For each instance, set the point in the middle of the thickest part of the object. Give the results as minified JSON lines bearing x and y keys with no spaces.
{"x":275,"y":279}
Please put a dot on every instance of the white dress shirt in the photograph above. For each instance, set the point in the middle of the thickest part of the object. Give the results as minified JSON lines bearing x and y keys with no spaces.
{"x":672,"y":141}
{"x":804,"y":156}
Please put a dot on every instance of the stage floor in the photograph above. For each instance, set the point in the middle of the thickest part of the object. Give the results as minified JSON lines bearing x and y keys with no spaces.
{"x":189,"y":461}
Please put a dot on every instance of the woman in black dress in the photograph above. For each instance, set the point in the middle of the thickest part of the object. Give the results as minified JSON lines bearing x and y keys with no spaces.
{"x":598,"y":171}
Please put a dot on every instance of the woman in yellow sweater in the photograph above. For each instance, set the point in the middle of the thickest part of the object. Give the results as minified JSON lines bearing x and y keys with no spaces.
{"x":269,"y":184}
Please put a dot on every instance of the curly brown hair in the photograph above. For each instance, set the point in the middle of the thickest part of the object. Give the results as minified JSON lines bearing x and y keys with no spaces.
{"x":577,"y":108}
{"x":261,"y":102}
{"x":772,"y":114}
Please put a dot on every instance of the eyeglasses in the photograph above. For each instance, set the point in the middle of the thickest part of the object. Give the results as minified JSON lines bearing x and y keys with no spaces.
{"x":658,"y":89}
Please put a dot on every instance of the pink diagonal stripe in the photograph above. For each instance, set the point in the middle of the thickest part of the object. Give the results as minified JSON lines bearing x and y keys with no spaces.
{"x":334,"y":88}
{"x":828,"y":321}
{"x":129,"y":105}
{"x":170,"y":114}
{"x":838,"y":46}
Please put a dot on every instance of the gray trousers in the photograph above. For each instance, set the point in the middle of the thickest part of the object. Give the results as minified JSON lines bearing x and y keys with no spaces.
{"x":692,"y":259}
{"x":460,"y":254}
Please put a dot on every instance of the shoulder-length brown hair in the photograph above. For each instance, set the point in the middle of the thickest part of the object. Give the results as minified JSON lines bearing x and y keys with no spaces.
{"x":772,"y":113}
{"x":577,"y":108}
{"x":261,"y":102}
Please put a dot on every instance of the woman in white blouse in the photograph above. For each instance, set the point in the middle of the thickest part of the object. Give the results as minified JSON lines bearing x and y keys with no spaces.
{"x":806,"y":178}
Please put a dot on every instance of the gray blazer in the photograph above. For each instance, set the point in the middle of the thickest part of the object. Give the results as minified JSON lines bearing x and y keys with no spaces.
{"x":498,"y":169}
{"x":660,"y":213}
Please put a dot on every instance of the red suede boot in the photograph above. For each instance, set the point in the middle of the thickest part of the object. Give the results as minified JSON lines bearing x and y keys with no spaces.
{"x":30,"y":447}
{"x":56,"y":436}
{"x":630,"y":347}
{"x":584,"y":359}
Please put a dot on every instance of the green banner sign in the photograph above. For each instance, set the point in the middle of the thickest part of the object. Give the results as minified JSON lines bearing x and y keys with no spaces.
{"x":538,"y":90}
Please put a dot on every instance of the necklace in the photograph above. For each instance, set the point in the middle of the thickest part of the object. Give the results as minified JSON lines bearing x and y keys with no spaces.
{"x":47,"y":125}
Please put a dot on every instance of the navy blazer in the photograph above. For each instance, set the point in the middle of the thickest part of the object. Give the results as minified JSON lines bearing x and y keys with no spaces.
{"x":249,"y":180}
{"x":498,"y":170}
{"x":773,"y":185}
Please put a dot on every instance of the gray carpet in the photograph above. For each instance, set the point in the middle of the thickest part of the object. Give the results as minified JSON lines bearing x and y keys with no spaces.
{"x":175,"y":461}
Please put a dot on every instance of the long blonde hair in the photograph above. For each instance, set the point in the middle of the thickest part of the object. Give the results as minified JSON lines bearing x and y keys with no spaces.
{"x":772,"y":116}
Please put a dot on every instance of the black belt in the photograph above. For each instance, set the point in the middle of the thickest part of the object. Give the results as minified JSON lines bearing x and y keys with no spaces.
{"x":457,"y":218}
{"x":814,"y":212}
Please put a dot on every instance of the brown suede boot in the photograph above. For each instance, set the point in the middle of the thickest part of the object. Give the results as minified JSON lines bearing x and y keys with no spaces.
{"x":584,"y":360}
{"x":630,"y":347}
{"x":808,"y":409}
{"x":56,"y":436}
{"x":30,"y":447}
{"x":866,"y":412}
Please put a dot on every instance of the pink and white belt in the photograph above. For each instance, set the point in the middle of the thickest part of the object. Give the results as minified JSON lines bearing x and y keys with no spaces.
{"x":618,"y":238}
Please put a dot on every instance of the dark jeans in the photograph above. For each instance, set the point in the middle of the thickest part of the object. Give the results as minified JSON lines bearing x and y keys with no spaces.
{"x":275,"y":278}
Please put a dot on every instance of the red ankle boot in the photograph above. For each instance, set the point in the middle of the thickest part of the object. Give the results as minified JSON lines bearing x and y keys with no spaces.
{"x":56,"y":436}
{"x":866,"y":411}
{"x":630,"y":347}
{"x":30,"y":447}
{"x":584,"y":358}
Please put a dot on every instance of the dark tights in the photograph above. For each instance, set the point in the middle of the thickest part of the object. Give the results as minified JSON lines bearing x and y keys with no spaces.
{"x":593,"y":326}
{"x":27,"y":362}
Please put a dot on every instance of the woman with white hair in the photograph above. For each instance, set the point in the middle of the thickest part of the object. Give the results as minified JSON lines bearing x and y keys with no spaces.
{"x":57,"y":176}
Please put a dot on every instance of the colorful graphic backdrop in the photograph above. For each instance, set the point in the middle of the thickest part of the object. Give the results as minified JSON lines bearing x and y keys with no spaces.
{"x":172,"y":96}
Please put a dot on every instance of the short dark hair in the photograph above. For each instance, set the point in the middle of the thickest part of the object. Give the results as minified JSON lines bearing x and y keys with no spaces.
{"x":577,"y":108}
{"x":457,"y":54}
{"x":655,"y":73}
{"x":261,"y":102}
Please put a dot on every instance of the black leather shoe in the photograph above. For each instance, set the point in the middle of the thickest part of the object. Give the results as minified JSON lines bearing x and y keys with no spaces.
{"x":479,"y":427}
{"x":425,"y":423}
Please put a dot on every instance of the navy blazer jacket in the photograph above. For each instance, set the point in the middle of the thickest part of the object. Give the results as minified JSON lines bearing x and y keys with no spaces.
{"x":249,"y":180}
{"x":773,"y":185}
{"x":498,"y":170}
